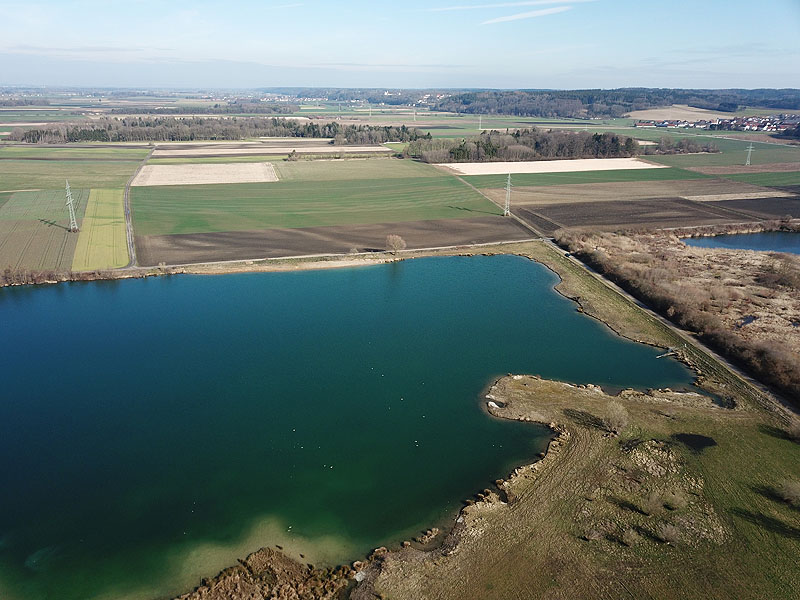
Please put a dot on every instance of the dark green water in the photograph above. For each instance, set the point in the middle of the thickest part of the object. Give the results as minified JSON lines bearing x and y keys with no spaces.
{"x":768,"y":241}
{"x":153,"y":430}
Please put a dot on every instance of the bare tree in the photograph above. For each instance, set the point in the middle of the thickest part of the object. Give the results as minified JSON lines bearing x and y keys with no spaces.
{"x":616,"y":417}
{"x":395,"y":243}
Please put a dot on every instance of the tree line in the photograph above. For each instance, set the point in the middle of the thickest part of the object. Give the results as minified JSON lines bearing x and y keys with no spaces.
{"x":612,"y":103}
{"x":174,"y":129}
{"x":524,"y":144}
{"x":236,"y":107}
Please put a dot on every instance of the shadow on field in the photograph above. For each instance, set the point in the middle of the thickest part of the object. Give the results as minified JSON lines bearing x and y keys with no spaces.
{"x":695,"y":442}
{"x":769,"y":523}
{"x":770,"y":493}
{"x":53,"y":224}
{"x":626,"y":505}
{"x":485,"y":212}
{"x":581,"y":417}
{"x":775,"y":432}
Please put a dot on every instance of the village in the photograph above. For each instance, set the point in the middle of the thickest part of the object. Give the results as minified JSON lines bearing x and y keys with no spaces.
{"x":770,"y":124}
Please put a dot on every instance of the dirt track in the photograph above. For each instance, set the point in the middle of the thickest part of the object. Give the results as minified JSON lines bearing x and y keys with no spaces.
{"x":239,"y":245}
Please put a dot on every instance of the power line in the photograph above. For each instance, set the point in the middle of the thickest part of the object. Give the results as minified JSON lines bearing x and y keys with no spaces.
{"x":73,"y":224}
{"x":507,"y":211}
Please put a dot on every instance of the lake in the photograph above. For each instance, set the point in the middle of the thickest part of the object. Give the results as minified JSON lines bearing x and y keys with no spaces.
{"x":154,"y":430}
{"x":767,"y":241}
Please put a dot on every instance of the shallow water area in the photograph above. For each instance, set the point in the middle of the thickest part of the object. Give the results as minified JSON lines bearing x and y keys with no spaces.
{"x":766,"y":241}
{"x":153,"y":431}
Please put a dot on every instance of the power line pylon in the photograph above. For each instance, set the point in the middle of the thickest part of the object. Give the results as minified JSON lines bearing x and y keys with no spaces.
{"x":507,"y":210}
{"x":73,"y":224}
{"x":749,"y":153}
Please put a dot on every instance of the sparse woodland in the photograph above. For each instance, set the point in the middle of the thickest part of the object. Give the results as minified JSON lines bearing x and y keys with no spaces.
{"x":745,"y":305}
{"x":524,"y":144}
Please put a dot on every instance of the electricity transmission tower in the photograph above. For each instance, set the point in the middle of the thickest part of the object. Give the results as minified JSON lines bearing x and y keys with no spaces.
{"x":749,"y":152}
{"x":480,"y":122}
{"x":507,"y":210}
{"x":73,"y":224}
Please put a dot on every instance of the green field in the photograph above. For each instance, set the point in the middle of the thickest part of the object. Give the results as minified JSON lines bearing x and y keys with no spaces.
{"x":732,"y":152}
{"x":620,"y":176}
{"x":102,"y":243}
{"x":168,"y":210}
{"x":767,"y":179}
{"x":371,"y":168}
{"x":33,"y":230}
{"x":78,"y":152}
{"x":50,"y":174}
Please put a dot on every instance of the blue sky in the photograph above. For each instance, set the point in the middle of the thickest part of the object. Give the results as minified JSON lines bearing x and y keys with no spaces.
{"x":382,"y":43}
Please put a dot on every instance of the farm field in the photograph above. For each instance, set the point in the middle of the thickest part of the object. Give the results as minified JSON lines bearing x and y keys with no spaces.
{"x":549,"y":166}
{"x":74,"y":153}
{"x":272,"y":243}
{"x":102,"y":242}
{"x":288,"y":147}
{"x":51,"y":174}
{"x":612,"y":214}
{"x":584,"y":177}
{"x":732,"y":152}
{"x":189,"y":174}
{"x":33,"y":230}
{"x":780,"y":179}
{"x":203,"y":209}
{"x":352,"y":169}
{"x":603,"y":192}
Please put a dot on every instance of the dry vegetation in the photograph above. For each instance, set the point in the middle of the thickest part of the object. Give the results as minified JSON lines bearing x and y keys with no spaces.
{"x":745,"y":304}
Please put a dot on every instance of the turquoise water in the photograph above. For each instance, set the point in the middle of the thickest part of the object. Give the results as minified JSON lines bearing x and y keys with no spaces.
{"x":153,"y":430}
{"x":771,"y":241}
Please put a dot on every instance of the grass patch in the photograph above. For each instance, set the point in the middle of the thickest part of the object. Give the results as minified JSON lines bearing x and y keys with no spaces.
{"x":542,"y":179}
{"x":51,"y":174}
{"x":239,"y":207}
{"x":102,"y":243}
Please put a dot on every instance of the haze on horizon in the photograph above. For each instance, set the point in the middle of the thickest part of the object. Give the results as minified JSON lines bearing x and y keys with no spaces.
{"x":413,"y":44}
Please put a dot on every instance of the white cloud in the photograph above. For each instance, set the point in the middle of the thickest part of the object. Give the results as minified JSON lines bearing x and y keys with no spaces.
{"x":529,"y":15}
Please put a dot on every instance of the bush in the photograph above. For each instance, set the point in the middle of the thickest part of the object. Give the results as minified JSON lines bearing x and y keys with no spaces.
{"x":674,"y":500}
{"x":789,"y":491}
{"x":630,"y":537}
{"x":668,"y":533}
{"x":653,"y":504}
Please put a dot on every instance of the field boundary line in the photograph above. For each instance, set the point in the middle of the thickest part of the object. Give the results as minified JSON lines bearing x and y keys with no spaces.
{"x":126,"y":209}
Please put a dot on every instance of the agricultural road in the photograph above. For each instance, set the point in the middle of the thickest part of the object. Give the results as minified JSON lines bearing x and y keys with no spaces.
{"x":127,"y":209}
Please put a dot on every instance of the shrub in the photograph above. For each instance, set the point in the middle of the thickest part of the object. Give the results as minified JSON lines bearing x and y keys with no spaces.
{"x":653,"y":504}
{"x":789,"y":491}
{"x":630,"y":537}
{"x":668,"y":533}
{"x":674,"y":500}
